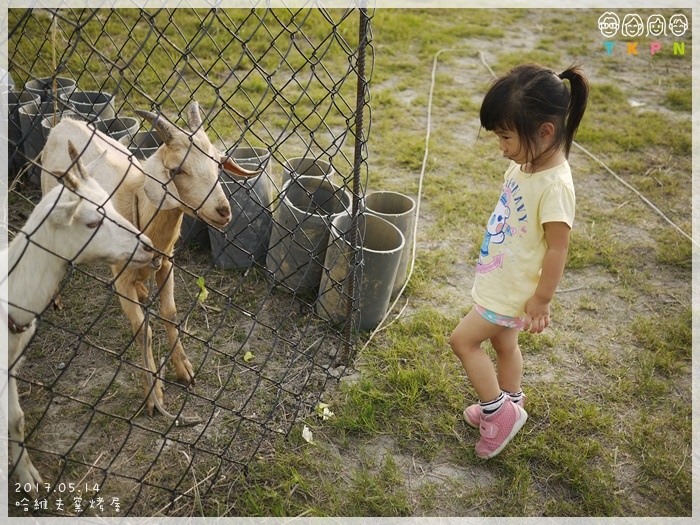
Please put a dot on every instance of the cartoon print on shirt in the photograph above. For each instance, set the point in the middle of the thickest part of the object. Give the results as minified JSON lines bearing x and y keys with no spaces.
{"x":509,"y":209}
{"x":497,"y":227}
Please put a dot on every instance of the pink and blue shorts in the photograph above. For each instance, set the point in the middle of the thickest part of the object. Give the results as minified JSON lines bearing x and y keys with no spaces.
{"x":501,"y":320}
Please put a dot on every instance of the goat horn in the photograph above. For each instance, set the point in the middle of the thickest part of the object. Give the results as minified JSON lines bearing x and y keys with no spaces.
{"x":69,"y":180}
{"x":164,"y":128}
{"x":194,"y":119}
{"x":72,"y":151}
{"x":75,"y":159}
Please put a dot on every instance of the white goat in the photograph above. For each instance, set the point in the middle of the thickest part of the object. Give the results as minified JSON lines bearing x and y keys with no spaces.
{"x":182,"y":176}
{"x":75,"y":224}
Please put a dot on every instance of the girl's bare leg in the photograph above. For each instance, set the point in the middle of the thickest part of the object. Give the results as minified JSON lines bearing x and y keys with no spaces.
{"x":509,"y":360}
{"x":466,"y":340}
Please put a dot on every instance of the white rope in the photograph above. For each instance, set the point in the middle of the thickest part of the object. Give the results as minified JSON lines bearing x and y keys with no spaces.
{"x":418,"y":203}
{"x":635,"y":191}
{"x":381,"y":326}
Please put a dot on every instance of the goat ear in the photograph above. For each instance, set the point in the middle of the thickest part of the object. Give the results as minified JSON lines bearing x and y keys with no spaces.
{"x":230,"y":166}
{"x":65,"y":209}
{"x":161,"y":190}
{"x":96,"y":164}
{"x":165,"y":129}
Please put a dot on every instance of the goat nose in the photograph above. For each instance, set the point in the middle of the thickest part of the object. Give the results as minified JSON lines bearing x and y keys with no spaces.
{"x":147,"y":246}
{"x":224,"y":212}
{"x":156,"y":262}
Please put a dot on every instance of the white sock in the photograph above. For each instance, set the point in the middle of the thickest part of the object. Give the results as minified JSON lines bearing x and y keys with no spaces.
{"x":515,"y":397}
{"x":490,"y":407}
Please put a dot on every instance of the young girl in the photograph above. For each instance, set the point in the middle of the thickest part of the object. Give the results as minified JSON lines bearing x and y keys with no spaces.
{"x":535,"y":116}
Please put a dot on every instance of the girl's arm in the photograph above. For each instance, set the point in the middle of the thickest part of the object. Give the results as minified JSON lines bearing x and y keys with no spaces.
{"x":537,"y":307}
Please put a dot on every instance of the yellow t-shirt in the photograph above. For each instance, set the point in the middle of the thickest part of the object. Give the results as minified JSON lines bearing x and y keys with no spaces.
{"x":510,"y":260}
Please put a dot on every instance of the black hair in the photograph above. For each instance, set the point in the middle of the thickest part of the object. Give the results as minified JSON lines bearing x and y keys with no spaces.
{"x":530,"y":95}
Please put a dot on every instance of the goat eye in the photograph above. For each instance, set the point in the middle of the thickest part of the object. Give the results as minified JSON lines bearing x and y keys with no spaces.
{"x":94,"y":224}
{"x":174,"y":172}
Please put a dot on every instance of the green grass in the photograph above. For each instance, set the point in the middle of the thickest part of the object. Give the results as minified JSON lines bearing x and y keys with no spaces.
{"x":192,"y":45}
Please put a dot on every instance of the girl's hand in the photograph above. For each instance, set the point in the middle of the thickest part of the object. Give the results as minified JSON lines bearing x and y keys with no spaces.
{"x":537,"y":306}
{"x":537,"y":313}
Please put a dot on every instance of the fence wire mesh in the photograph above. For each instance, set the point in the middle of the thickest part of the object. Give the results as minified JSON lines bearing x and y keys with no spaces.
{"x":282,"y":90}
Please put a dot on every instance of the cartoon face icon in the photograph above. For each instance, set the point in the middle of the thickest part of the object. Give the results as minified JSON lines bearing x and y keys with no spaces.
{"x":609,"y":23}
{"x":678,"y":24}
{"x":632,"y":25}
{"x":497,"y":227}
{"x":656,"y":25}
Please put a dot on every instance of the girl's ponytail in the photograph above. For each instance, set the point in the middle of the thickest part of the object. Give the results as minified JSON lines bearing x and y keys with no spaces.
{"x":530,"y":95}
{"x":577,"y":103}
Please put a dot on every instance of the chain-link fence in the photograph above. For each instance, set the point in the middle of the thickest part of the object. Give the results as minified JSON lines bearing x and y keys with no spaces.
{"x":262,"y":312}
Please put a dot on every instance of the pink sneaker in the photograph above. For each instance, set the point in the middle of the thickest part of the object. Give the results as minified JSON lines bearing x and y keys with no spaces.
{"x":472,"y":414}
{"x":499,"y":428}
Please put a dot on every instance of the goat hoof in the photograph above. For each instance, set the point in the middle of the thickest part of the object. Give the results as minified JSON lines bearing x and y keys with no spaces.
{"x":187,"y":381}
{"x":185,"y":421}
{"x":29,"y":478}
{"x":185,"y":374}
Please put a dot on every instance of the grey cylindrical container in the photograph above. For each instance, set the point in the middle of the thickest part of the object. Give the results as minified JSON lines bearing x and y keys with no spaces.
{"x":142,"y":144}
{"x":51,"y":119}
{"x":251,"y":155}
{"x":118,"y":127}
{"x":399,"y":210}
{"x":30,"y":117}
{"x":44,"y":87}
{"x":306,"y":166}
{"x":300,"y":231}
{"x":91,"y":104}
{"x":196,"y":231}
{"x":15,"y":153}
{"x":381,"y":245}
{"x":246,"y":238}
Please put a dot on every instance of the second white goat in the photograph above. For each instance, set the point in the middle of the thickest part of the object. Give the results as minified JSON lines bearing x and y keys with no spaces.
{"x":74,"y":223}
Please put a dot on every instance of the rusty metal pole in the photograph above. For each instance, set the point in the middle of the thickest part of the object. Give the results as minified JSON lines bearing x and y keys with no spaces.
{"x":348,"y":342}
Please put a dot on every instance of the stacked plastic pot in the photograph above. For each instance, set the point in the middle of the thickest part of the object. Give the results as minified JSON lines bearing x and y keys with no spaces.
{"x":303,"y":233}
{"x":42,"y":103}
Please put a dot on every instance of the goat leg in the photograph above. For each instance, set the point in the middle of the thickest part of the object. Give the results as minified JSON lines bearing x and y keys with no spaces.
{"x":179,"y":420}
{"x":128,"y":289}
{"x":27,"y":474}
{"x":184,"y":371}
{"x":151,"y":387}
